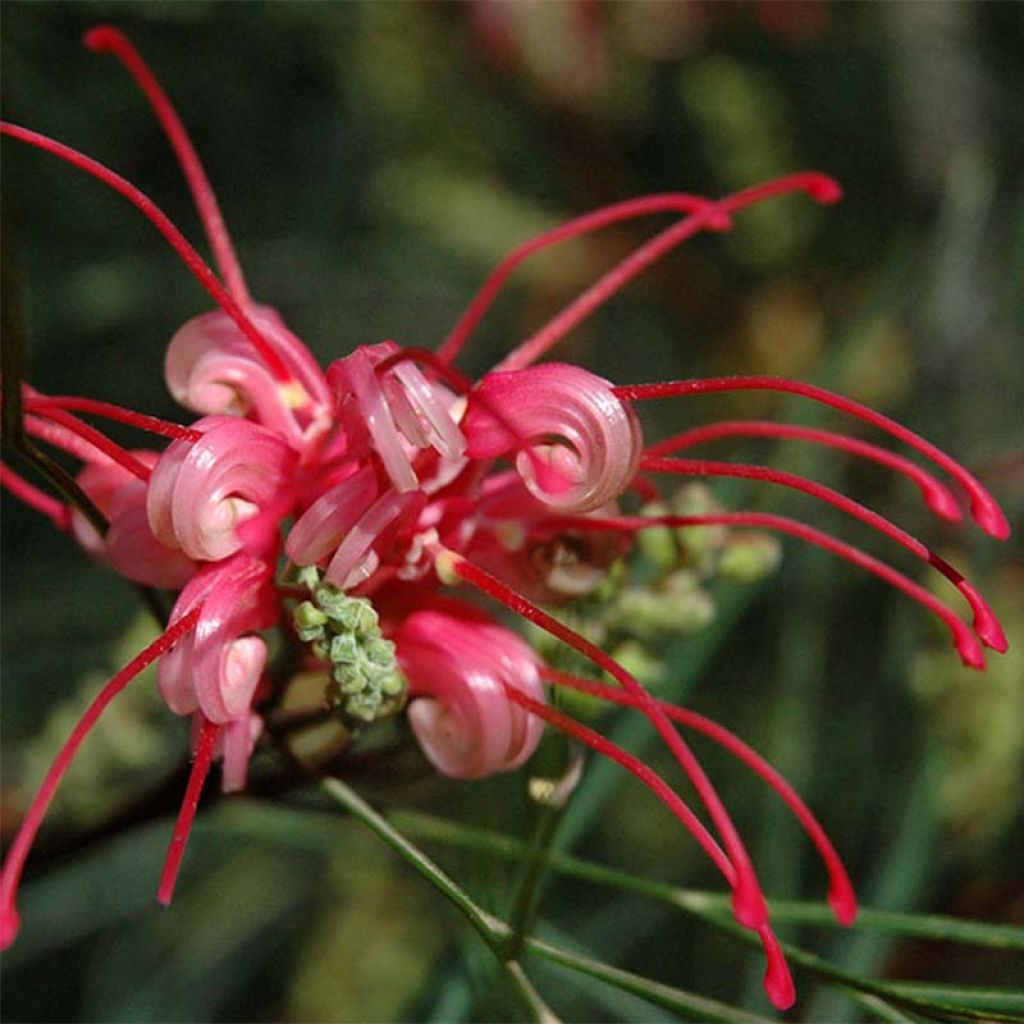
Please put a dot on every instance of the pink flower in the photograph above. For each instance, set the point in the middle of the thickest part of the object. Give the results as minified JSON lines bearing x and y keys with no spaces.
{"x":384,"y":480}
{"x":458,"y":664}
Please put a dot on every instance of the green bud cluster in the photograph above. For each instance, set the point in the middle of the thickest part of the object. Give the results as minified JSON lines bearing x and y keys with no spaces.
{"x":365,"y":682}
{"x":665,"y":591}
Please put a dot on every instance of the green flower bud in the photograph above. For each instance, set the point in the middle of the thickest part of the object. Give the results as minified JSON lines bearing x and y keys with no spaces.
{"x":749,"y":556}
{"x":657,"y":543}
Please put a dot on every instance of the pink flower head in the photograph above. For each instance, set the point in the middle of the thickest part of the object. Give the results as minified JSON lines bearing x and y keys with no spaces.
{"x":577,"y":446}
{"x":201,"y":491}
{"x":387,"y":477}
{"x":458,"y":665}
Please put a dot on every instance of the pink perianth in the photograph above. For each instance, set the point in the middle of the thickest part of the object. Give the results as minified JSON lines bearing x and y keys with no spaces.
{"x":106,"y":39}
{"x":202,"y":759}
{"x":162,"y":223}
{"x":15,"y":862}
{"x":984,"y":508}
{"x":644,"y":206}
{"x":841,"y":896}
{"x":986,"y":624}
{"x":818,"y":186}
{"x":99,"y":441}
{"x":56,"y":511}
{"x":151,"y":424}
{"x":748,"y":900}
{"x":964,"y":640}
{"x":936,"y":495}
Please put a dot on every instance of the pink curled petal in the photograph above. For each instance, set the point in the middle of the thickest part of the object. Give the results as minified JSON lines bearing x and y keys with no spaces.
{"x":362,"y":397}
{"x":227,"y":666}
{"x":357,"y":558}
{"x":432,"y":403}
{"x":403,"y":413}
{"x":457,"y":668}
{"x":212,"y":368}
{"x":135,"y":553}
{"x":577,"y":445}
{"x":101,"y":482}
{"x":238,"y":740}
{"x":174,"y":677}
{"x":219,"y":669}
{"x":322,"y":527}
{"x":201,"y":490}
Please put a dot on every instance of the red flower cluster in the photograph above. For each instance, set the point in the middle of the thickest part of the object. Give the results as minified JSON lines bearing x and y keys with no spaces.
{"x":337,"y":507}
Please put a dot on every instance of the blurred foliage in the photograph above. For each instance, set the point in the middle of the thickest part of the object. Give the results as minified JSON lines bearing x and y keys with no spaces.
{"x":374,"y":159}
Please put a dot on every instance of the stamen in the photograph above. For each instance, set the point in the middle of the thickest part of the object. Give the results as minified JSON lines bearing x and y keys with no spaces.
{"x":99,"y":441}
{"x":188,"y":255}
{"x":818,"y":186}
{"x":107,"y":39}
{"x":190,"y":804}
{"x":650,"y":778}
{"x":986,"y":625}
{"x":966,"y":643}
{"x":841,"y":896}
{"x":643,"y":206}
{"x":936,"y":495}
{"x":777,"y":980}
{"x":62,"y":438}
{"x":11,"y":874}
{"x":748,"y":900}
{"x":984,"y":508}
{"x":151,"y":424}
{"x":56,"y":511}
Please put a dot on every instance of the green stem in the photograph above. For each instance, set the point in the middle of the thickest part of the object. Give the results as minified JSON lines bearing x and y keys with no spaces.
{"x":685,"y":1003}
{"x":712,"y":905}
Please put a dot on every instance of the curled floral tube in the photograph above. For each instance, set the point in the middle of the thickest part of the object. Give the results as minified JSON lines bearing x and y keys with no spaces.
{"x":395,"y":412}
{"x":458,"y":665}
{"x":201,"y":491}
{"x":322,"y":527}
{"x":216,"y":671}
{"x":577,"y":445}
{"x":212,"y":368}
{"x":129,"y":545}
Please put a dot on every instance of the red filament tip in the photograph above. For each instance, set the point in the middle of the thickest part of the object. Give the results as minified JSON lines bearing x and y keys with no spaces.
{"x":195,"y":263}
{"x":16,"y":857}
{"x":107,"y":39}
{"x":984,"y":508}
{"x":201,"y":762}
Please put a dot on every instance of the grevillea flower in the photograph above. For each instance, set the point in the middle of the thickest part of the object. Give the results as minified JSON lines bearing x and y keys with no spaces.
{"x":389,"y":479}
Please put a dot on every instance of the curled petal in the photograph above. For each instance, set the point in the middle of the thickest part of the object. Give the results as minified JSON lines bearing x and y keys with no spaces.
{"x":212,"y":368}
{"x":358,"y":555}
{"x":218,"y":669}
{"x":129,"y":546}
{"x":458,"y":666}
{"x":238,"y":740}
{"x":396,"y":412}
{"x":135,"y":553}
{"x":322,"y":527}
{"x":202,"y":490}
{"x":577,"y":446}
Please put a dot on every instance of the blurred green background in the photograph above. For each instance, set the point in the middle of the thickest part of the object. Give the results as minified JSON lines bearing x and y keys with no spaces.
{"x":374,"y":160}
